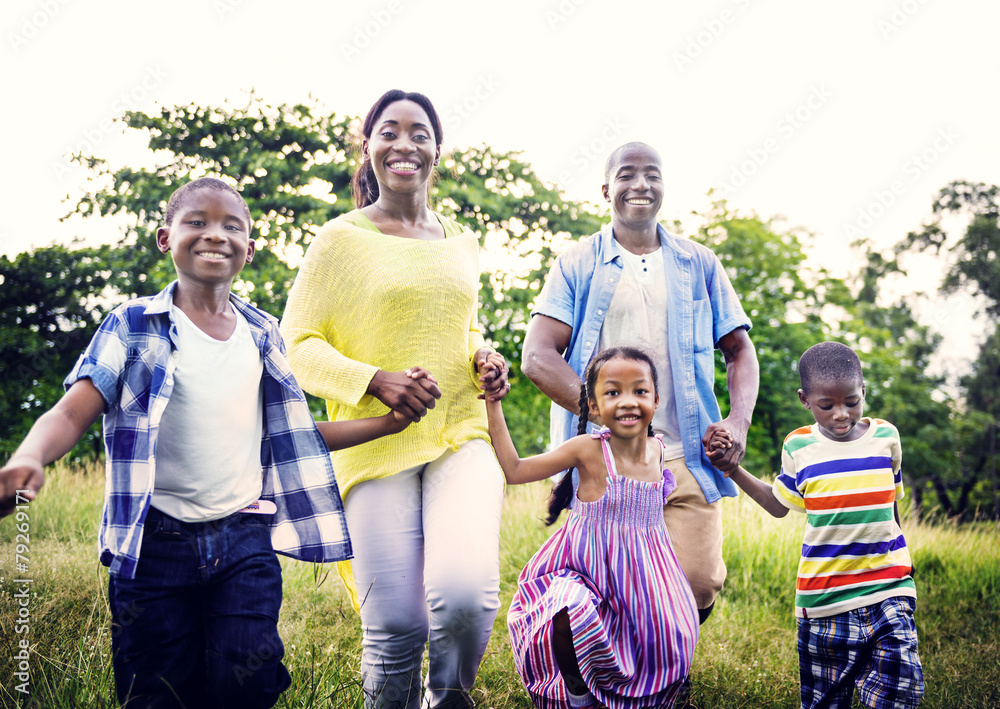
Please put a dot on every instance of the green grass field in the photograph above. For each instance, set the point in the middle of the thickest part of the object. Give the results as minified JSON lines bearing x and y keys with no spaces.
{"x":746,"y":656}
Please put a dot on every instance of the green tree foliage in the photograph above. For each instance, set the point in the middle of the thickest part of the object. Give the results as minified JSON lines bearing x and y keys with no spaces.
{"x":292,"y":164}
{"x":896,"y":352}
{"x":50,"y":304}
{"x":967,"y":479}
{"x":974,"y":255}
{"x":525,"y":223}
{"x":785,"y":301}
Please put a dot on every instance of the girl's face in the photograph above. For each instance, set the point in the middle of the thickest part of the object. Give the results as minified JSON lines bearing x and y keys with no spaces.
{"x":625,"y":397}
{"x":402,"y":148}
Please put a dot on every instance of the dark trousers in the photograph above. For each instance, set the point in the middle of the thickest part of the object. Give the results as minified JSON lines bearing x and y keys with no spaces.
{"x":197,"y":627}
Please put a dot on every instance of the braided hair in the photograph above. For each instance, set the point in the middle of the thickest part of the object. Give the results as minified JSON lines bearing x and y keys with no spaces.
{"x":562,"y":492}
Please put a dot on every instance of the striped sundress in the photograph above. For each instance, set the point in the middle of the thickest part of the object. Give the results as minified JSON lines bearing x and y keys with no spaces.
{"x":634,"y":619}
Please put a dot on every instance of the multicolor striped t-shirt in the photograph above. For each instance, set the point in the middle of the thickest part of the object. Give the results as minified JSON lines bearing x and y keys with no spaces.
{"x":853,"y":553}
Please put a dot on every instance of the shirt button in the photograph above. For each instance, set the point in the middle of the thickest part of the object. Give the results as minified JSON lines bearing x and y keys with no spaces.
{"x":611,"y":280}
{"x":600,"y":312}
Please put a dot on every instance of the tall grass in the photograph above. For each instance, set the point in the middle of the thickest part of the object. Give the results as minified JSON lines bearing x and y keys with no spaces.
{"x":746,"y":656}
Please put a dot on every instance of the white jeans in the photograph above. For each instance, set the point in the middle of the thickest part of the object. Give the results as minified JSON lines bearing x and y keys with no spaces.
{"x":427,"y":568}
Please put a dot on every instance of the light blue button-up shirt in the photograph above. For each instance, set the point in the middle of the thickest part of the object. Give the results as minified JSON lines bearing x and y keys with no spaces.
{"x":702,"y":308}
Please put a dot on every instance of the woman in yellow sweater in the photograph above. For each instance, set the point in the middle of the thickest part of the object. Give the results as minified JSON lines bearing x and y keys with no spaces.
{"x":384,"y":288}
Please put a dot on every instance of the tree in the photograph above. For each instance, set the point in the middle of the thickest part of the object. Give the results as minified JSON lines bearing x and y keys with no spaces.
{"x":292,"y":164}
{"x":896,"y":352}
{"x":974,"y":262}
{"x":785,"y":301}
{"x":50,"y":301}
{"x":973,"y":267}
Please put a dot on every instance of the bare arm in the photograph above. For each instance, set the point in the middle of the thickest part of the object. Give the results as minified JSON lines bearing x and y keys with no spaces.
{"x":537,"y":467}
{"x":743,"y":381}
{"x":542,"y":362}
{"x":344,"y":434}
{"x":53,"y":436}
{"x":758,"y":491}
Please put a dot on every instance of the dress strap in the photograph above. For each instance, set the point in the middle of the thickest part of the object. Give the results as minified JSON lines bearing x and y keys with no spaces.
{"x":609,"y":460}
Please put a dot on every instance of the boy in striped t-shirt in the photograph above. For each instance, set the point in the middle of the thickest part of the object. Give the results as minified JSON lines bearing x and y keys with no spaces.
{"x":854,"y":595}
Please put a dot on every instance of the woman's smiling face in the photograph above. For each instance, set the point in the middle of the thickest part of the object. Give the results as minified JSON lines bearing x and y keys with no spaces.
{"x":403,"y":148}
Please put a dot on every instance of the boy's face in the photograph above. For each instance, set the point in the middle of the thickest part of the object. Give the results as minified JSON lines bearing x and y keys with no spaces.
{"x":209,"y":238}
{"x":837,"y":406}
{"x":635,"y":187}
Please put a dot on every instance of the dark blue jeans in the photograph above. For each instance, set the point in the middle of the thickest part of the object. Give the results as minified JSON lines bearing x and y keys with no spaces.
{"x":198,"y":626}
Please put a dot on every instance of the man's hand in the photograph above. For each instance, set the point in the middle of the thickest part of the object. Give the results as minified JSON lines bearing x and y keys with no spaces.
{"x":725,"y":456}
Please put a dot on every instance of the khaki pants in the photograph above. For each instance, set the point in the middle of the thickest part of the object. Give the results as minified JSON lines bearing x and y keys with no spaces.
{"x":695,"y":528}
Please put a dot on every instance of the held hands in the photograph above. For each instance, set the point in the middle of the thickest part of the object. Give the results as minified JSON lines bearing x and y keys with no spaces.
{"x":409,"y":394}
{"x":724,"y":447}
{"x":398,"y":420}
{"x":492,"y":369}
{"x":721,"y":442}
{"x":20,"y":481}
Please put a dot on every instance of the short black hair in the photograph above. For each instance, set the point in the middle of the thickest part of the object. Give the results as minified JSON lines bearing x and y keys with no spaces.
{"x":612,"y":162}
{"x":829,"y":361}
{"x":203,"y":183}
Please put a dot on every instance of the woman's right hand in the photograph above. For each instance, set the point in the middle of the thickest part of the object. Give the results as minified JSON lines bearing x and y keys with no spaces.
{"x":410,"y":393}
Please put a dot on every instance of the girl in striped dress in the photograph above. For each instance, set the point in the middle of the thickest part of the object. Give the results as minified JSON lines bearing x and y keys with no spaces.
{"x":603,"y":614}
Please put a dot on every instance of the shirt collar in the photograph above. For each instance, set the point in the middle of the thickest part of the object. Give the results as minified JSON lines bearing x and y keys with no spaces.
{"x":161,"y":302}
{"x":609,"y":247}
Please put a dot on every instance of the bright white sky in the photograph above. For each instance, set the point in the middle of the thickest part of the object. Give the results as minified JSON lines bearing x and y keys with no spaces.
{"x":845,"y":118}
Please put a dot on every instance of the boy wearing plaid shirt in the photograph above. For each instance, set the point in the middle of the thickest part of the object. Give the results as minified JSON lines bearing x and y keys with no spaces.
{"x":213,"y":464}
{"x":855,"y":595}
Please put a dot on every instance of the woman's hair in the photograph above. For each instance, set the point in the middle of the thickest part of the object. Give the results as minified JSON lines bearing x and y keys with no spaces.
{"x":364,"y":186}
{"x":562,"y":491}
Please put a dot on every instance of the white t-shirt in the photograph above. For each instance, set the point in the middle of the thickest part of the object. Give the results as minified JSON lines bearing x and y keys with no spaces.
{"x":637,"y":316}
{"x":208,"y":448}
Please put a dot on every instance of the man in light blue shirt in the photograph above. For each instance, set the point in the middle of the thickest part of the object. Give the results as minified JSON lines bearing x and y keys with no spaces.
{"x":634,"y":283}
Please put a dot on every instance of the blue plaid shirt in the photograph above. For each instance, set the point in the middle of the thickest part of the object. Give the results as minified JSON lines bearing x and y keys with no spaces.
{"x":131,"y":361}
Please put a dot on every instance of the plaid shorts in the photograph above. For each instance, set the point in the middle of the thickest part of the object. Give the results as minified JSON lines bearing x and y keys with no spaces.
{"x":874,"y":648}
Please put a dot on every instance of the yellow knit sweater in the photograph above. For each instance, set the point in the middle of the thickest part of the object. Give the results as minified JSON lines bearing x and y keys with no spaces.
{"x":364,"y":301}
